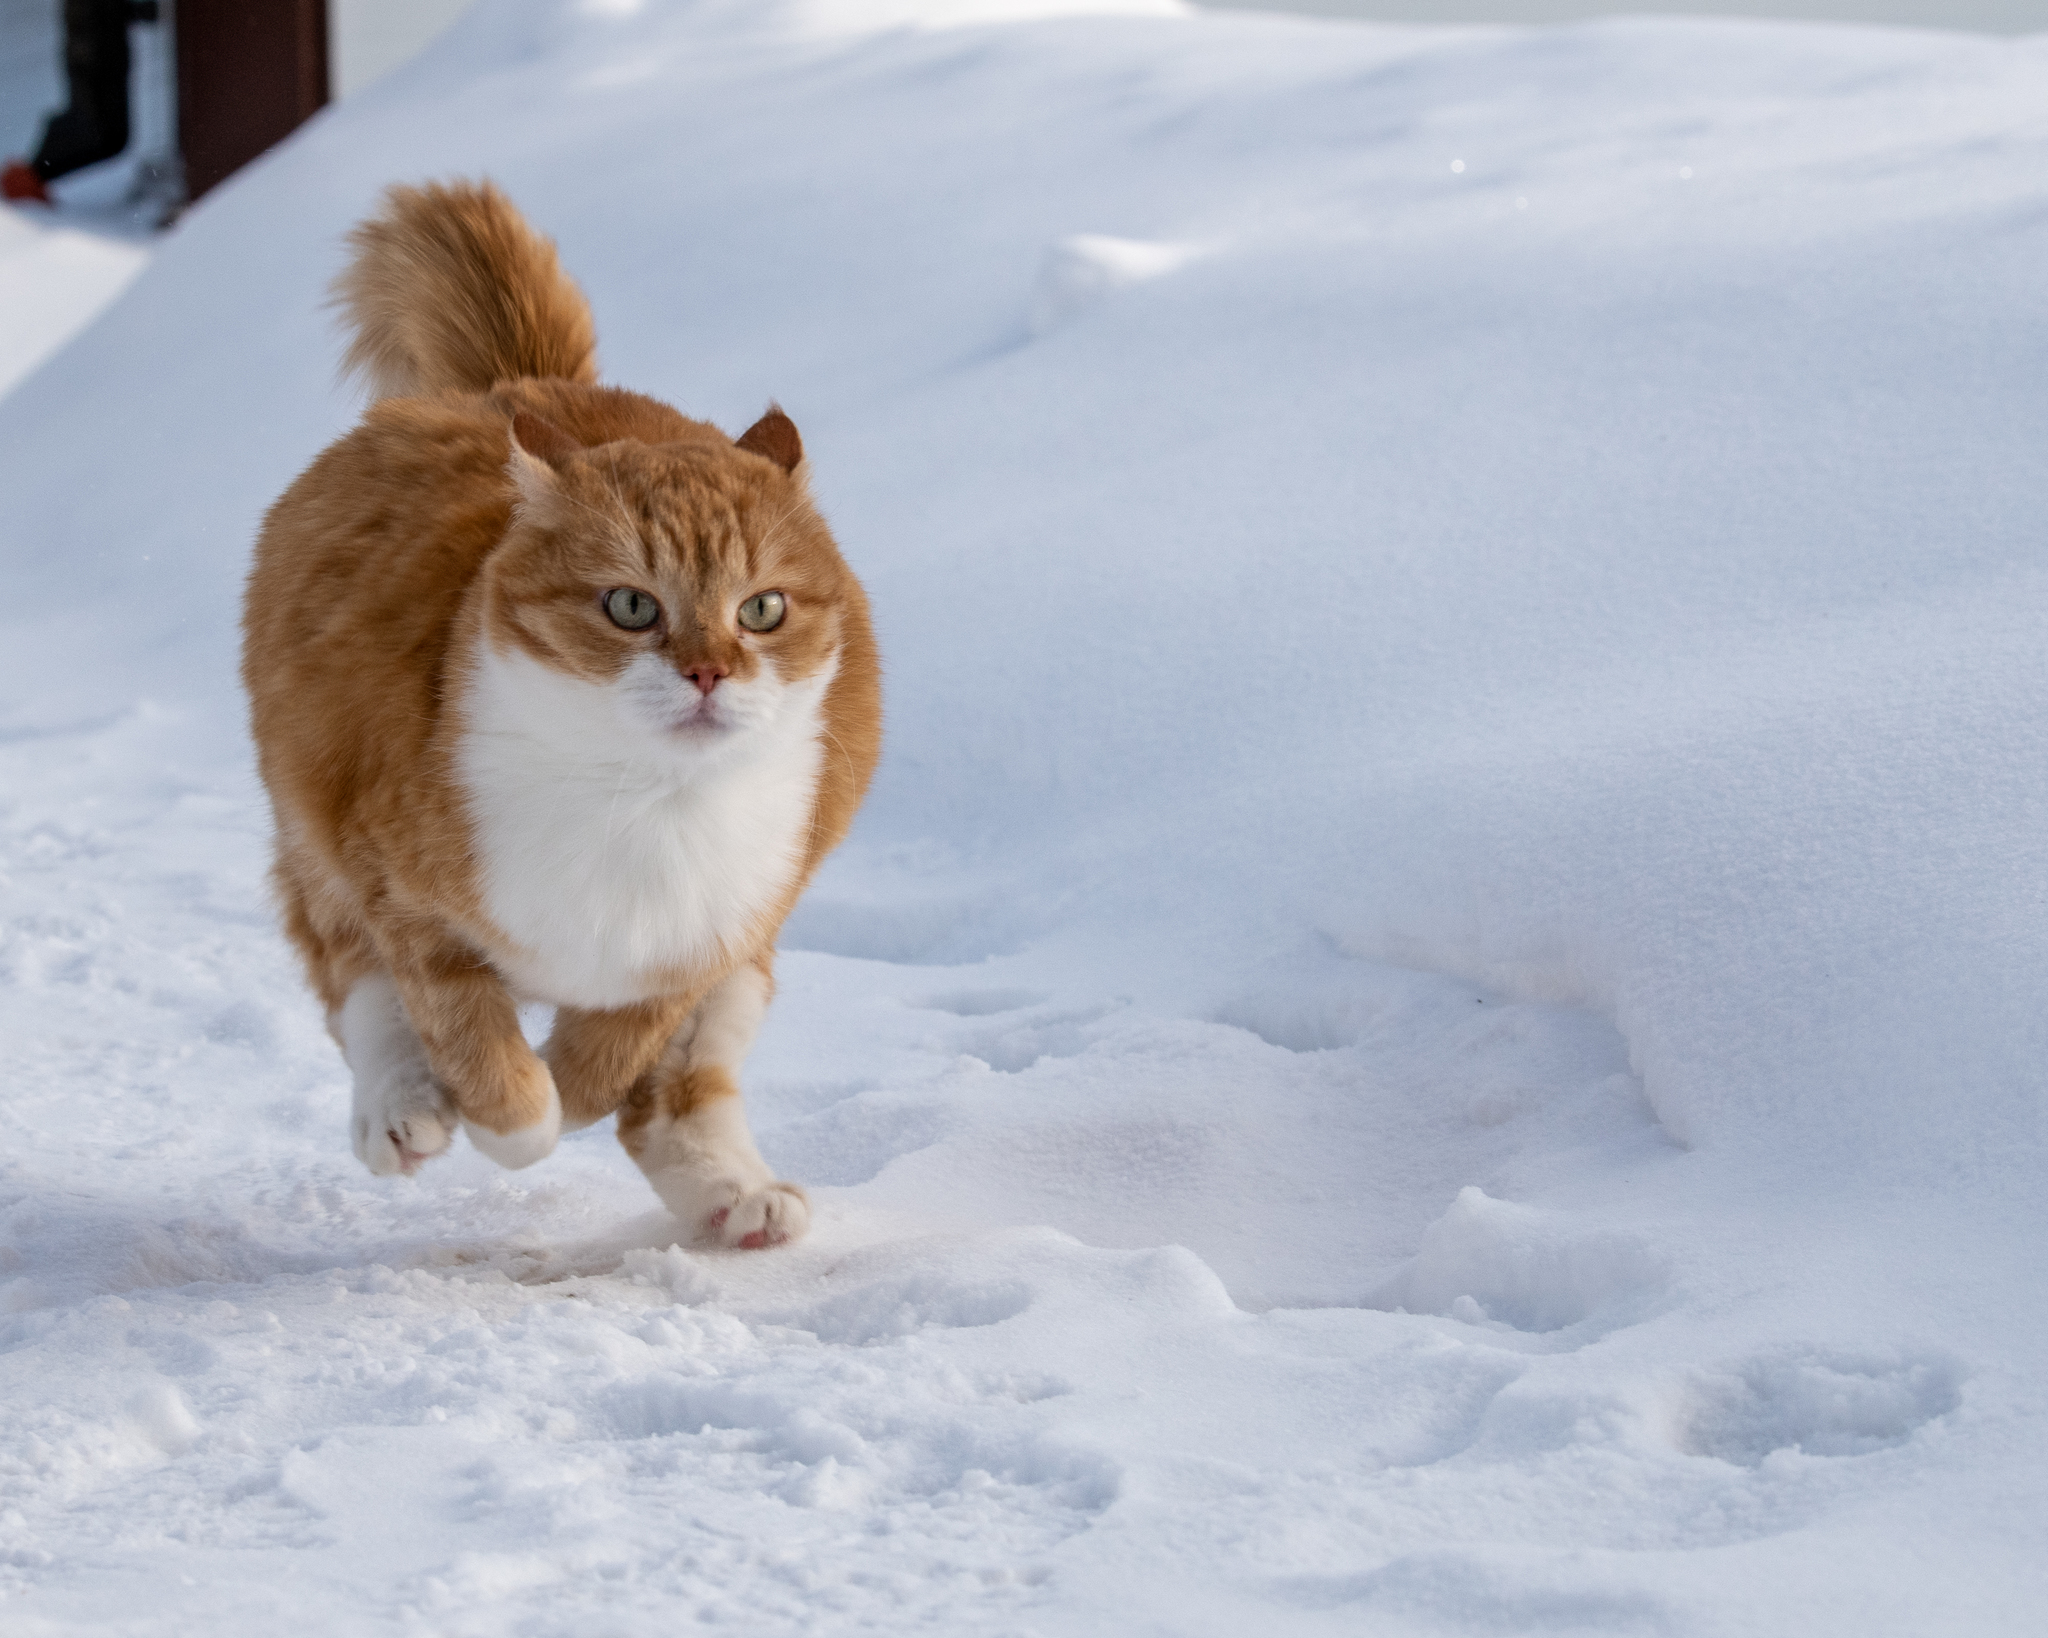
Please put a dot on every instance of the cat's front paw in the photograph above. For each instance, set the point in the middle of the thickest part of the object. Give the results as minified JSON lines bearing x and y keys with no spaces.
{"x":738,"y":1215}
{"x":759,"y":1218}
{"x":401,"y":1120}
{"x":528,"y":1121}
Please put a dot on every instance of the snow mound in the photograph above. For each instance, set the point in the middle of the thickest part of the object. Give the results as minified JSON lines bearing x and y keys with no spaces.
{"x":1079,"y":271}
{"x":1489,"y":1260}
{"x":1818,"y":1403}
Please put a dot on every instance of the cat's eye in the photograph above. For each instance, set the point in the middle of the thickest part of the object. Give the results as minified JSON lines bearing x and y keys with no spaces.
{"x":631,"y":610}
{"x":763,"y":611}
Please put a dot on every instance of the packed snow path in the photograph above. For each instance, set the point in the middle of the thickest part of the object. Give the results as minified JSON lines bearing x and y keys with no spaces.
{"x":1435,"y":1025}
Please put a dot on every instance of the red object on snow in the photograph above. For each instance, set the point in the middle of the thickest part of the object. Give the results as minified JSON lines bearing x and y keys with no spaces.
{"x":20,"y":182}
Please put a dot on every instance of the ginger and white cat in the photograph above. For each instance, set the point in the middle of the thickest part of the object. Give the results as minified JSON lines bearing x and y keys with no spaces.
{"x":559,"y":696}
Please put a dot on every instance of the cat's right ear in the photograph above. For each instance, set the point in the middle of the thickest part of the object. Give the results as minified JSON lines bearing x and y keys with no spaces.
{"x":536,"y":446}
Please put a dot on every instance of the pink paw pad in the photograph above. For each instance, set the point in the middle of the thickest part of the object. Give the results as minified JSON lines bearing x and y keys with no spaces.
{"x":759,"y":1240}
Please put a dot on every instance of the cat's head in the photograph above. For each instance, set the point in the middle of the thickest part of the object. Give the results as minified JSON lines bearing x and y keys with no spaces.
{"x":688,"y":592}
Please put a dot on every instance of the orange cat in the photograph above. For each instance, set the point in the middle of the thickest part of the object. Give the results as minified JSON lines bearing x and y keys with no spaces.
{"x":560,"y":696}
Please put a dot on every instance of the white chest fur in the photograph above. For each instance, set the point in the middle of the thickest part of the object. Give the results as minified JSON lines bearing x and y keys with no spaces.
{"x":610,"y":851}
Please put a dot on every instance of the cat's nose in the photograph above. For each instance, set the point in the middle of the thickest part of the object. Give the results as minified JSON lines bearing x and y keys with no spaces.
{"x":705,"y":675}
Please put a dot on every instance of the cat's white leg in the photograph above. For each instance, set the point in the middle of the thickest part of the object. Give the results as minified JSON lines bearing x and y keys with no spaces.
{"x":689,"y":1130}
{"x":401,"y":1117}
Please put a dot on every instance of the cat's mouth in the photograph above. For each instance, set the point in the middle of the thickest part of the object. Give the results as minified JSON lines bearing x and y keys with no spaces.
{"x":701,"y":719}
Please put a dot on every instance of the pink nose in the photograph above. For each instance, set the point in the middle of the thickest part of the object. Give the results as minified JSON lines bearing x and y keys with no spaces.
{"x":706,"y":676}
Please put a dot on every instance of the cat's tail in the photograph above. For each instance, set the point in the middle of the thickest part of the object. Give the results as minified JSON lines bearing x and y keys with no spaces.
{"x":451,"y":289}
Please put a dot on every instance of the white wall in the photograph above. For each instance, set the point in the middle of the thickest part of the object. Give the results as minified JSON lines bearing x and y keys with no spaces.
{"x":365,"y":38}
{"x":1987,"y":16}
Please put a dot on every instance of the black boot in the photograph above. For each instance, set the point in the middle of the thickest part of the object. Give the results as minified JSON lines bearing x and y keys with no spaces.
{"x":95,"y":124}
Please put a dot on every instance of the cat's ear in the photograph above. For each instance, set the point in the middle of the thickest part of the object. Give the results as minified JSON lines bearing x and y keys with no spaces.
{"x":774,"y":436}
{"x":536,"y":446}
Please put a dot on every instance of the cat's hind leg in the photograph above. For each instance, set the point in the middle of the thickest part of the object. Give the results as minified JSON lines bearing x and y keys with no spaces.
{"x":597,"y":1056}
{"x":687,"y":1128}
{"x":401,"y":1115}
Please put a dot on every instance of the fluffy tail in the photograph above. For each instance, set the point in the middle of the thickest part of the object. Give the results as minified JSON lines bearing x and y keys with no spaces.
{"x":452,"y":290}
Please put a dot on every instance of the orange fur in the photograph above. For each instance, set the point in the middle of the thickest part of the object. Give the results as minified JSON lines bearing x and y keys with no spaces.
{"x":451,"y":291}
{"x":486,"y":504}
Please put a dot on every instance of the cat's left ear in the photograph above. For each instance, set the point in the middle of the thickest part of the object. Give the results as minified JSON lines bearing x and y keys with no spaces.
{"x":775,"y":437}
{"x":536,"y":445}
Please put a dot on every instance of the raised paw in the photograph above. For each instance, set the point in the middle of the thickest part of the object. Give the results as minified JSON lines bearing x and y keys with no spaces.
{"x":400,"y":1116}
{"x":761,"y":1218}
{"x":401,"y":1121}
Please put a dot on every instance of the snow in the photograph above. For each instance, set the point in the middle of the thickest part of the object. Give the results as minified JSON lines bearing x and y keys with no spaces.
{"x":1434,"y":1025}
{"x":54,"y":280}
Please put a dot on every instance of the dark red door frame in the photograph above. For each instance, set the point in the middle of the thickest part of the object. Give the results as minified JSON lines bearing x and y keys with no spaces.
{"x":250,"y":72}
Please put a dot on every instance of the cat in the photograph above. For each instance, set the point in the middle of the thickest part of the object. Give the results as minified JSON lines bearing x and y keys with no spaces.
{"x":559,"y":696}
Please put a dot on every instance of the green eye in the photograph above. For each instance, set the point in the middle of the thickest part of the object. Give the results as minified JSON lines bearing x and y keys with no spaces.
{"x":763,"y":611}
{"x":631,"y":610}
